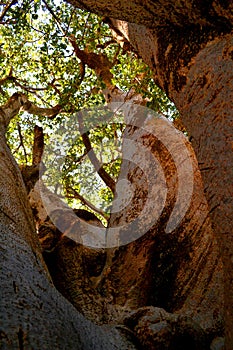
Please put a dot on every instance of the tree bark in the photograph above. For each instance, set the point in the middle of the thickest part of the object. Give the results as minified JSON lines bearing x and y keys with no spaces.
{"x":162,"y":13}
{"x":202,"y":90}
{"x":33,"y":314}
{"x":189,"y":48}
{"x":180,"y":271}
{"x":206,"y":106}
{"x":177,"y":269}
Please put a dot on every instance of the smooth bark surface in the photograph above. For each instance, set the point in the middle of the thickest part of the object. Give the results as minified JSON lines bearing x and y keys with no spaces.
{"x":208,"y":116}
{"x":179,"y":270}
{"x":190,"y":52}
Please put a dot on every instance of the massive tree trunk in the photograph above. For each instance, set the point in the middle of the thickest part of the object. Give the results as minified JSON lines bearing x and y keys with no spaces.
{"x":189,"y":48}
{"x":34,"y":315}
{"x":166,"y":254}
{"x":172,"y":259}
{"x":206,"y":105}
{"x":203,"y":92}
{"x":188,"y":45}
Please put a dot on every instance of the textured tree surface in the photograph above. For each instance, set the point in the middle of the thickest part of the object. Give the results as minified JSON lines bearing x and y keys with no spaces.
{"x":189,"y":48}
{"x":33,"y":314}
{"x":179,"y":272}
{"x":59,"y":294}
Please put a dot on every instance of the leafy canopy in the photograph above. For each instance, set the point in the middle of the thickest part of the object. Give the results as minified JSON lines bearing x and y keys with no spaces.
{"x":38,"y":57}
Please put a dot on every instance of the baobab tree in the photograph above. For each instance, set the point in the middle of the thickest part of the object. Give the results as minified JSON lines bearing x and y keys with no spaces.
{"x":189,"y":49}
{"x":190,"y":58}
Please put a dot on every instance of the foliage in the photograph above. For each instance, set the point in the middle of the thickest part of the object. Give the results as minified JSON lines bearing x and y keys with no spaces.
{"x":37,"y":57}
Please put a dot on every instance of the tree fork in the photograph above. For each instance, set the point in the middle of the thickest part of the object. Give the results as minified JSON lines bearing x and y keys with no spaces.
{"x":166,"y":39}
{"x":200,"y":84}
{"x":33,"y":313}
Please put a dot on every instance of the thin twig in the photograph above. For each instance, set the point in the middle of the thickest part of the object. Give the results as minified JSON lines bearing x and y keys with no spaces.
{"x":84,"y":201}
{"x":21,"y":142}
{"x":106,"y":44}
{"x":6,"y":8}
{"x":26,"y":88}
{"x":55,"y":17}
{"x":69,"y":37}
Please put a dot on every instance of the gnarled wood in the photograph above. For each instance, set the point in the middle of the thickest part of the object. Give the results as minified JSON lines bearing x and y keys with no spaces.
{"x":33,"y":314}
{"x":192,"y":61}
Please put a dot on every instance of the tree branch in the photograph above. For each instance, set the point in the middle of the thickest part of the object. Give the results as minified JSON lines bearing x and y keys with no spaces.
{"x":9,"y":76}
{"x":19,"y":101}
{"x":21,"y":142}
{"x":38,"y":145}
{"x":6,"y":8}
{"x":31,"y":108}
{"x":94,"y":160}
{"x":76,"y":195}
{"x":69,"y":37}
{"x":25,"y":87}
{"x":54,"y":16}
{"x":98,"y":62}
